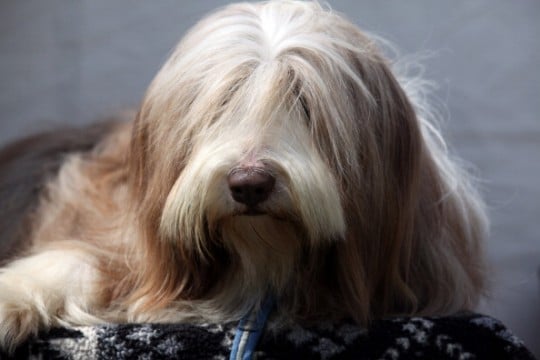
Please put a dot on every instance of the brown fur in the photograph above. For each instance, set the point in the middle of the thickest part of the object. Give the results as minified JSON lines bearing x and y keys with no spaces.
{"x":26,"y":166}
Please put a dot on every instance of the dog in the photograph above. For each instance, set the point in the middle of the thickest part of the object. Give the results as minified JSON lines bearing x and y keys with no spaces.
{"x":276,"y":153}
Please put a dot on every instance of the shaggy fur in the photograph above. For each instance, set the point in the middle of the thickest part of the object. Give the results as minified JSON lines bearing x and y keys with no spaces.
{"x":364,"y":214}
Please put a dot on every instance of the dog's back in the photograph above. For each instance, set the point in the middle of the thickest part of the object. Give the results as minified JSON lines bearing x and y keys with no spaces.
{"x":25,"y":167}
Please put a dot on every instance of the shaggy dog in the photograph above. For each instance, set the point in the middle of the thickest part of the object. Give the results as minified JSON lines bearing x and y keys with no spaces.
{"x":274,"y":154}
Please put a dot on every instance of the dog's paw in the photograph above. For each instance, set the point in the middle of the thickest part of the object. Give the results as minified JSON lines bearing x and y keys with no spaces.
{"x":18,"y":321}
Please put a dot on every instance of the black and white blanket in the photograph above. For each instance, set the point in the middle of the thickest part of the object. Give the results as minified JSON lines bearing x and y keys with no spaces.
{"x":467,"y":336}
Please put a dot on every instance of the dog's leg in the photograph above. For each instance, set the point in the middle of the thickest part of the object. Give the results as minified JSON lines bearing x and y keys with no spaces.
{"x":52,"y":287}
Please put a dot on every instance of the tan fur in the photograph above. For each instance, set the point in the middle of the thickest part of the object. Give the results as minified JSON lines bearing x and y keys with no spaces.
{"x":369,"y":216}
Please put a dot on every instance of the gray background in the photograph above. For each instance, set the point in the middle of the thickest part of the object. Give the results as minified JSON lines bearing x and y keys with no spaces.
{"x":74,"y":61}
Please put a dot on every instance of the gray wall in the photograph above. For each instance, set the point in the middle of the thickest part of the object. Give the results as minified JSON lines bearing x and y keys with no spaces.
{"x":74,"y":61}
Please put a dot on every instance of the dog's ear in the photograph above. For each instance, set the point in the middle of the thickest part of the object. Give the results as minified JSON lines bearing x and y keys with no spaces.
{"x":168,"y":270}
{"x":412,"y":239}
{"x":381,"y":204}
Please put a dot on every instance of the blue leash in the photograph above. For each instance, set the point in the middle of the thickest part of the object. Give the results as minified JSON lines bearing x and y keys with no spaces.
{"x":249,"y":331}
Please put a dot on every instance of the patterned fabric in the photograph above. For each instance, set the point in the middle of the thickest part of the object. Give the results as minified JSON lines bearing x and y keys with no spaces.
{"x":468,"y":336}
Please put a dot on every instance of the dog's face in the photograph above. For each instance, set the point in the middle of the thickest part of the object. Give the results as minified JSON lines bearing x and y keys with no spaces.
{"x":273,"y":131}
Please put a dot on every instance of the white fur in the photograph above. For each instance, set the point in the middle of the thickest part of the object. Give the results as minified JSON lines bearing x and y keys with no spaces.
{"x":51,"y":288}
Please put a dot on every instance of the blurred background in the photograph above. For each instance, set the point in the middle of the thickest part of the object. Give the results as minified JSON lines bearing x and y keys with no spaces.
{"x":76,"y":61}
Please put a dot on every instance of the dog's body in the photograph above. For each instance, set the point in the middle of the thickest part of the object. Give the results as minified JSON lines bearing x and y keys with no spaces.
{"x":276,"y":154}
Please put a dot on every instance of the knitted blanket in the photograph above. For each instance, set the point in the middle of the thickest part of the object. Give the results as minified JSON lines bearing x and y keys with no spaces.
{"x":467,"y":336}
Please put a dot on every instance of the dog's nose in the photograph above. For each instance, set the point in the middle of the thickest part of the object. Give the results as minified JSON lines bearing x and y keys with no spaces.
{"x":251,"y":185}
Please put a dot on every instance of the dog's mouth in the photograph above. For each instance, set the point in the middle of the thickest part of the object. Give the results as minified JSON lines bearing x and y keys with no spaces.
{"x":259,"y":212}
{"x":250,"y":211}
{"x":253,"y":211}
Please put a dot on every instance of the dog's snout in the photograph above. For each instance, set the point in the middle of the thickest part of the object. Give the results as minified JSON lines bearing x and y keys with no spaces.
{"x":250,"y":186}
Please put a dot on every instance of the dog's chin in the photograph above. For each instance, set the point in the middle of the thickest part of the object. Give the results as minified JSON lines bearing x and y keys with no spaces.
{"x":254,"y":231}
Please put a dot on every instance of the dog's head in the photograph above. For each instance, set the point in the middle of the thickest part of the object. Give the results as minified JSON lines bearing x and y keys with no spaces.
{"x":275,"y":150}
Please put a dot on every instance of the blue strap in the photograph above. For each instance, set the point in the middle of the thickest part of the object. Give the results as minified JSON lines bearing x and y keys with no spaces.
{"x":249,"y":331}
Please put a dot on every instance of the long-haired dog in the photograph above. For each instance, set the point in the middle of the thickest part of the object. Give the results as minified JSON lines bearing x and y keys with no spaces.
{"x":274,"y":154}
